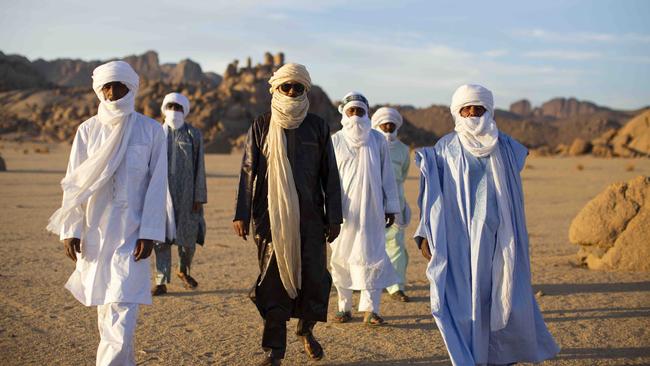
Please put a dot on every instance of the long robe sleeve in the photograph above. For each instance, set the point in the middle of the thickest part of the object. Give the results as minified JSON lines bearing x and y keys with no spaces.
{"x":154,"y":217}
{"x":247,"y":178}
{"x":330,"y":182}
{"x":200,"y":188}
{"x":73,"y":227}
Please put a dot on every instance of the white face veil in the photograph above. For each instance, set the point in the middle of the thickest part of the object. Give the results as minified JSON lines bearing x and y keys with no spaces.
{"x":479,"y":135}
{"x":355,"y":129}
{"x":175,"y":119}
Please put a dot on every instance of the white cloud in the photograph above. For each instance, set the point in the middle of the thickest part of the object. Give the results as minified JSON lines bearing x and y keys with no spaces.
{"x":580,"y":37}
{"x":495,"y":53}
{"x":563,"y":55}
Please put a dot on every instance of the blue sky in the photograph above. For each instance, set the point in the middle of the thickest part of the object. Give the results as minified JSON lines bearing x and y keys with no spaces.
{"x":407,"y":52}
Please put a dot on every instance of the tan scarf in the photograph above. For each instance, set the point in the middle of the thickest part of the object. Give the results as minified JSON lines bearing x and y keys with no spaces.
{"x":284,"y":209}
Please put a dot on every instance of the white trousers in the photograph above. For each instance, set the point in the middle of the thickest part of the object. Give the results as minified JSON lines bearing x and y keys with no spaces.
{"x":116,"y":322}
{"x":368,"y":301}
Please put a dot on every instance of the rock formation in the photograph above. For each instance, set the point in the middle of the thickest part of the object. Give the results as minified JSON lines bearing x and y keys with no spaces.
{"x":631,"y":140}
{"x":613,"y":229}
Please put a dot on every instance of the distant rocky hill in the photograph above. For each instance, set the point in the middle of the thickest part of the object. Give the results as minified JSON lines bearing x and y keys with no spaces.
{"x":23,"y":74}
{"x":47,"y":100}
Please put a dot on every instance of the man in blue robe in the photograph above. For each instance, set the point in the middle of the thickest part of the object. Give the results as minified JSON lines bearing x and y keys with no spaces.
{"x":473,"y":232}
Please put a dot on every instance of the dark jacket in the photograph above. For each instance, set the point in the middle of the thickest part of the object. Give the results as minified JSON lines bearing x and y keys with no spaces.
{"x":311,"y":155}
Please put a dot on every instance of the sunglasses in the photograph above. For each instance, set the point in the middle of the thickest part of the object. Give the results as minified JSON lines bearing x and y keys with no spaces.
{"x":297,"y":87}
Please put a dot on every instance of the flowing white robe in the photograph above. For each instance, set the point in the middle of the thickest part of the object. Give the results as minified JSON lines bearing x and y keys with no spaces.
{"x":359,"y":260}
{"x":130,"y":207}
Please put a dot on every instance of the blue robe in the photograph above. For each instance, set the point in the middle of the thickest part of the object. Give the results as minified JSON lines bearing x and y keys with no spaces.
{"x":457,"y":187}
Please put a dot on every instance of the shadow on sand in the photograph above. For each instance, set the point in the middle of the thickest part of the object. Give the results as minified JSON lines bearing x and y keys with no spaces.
{"x":591,"y":288}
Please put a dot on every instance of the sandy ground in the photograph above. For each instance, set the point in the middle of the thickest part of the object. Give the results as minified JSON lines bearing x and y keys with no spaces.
{"x":598,"y":318}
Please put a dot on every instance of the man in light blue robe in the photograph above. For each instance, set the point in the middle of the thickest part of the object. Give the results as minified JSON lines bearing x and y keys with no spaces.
{"x":473,"y":231}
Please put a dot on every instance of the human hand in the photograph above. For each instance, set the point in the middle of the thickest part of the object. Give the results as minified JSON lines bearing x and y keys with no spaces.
{"x":390,"y":219}
{"x":72,"y":247}
{"x":241,"y":228}
{"x":332,"y":232}
{"x":143,"y":248}
{"x":424,"y":248}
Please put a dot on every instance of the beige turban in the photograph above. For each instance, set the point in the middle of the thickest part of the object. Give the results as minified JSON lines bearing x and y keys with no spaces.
{"x":290,"y":72}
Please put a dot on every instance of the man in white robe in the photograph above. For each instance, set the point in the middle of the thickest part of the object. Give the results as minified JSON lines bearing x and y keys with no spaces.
{"x":113,"y":209}
{"x":370,"y":202}
{"x":473,"y":231}
{"x":387,"y":121}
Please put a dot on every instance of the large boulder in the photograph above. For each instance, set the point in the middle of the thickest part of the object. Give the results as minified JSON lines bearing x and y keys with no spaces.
{"x":613,"y":229}
{"x":633,"y":139}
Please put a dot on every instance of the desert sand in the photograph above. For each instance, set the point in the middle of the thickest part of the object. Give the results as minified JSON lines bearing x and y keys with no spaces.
{"x":598,"y":318}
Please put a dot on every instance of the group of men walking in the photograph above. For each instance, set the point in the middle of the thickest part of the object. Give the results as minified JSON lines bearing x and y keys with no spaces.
{"x":133,"y":187}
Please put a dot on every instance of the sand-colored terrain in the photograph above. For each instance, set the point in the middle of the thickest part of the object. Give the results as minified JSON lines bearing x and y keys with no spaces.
{"x":598,"y":318}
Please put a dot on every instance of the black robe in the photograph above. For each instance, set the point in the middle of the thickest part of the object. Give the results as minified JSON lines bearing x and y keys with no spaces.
{"x":311,"y":155}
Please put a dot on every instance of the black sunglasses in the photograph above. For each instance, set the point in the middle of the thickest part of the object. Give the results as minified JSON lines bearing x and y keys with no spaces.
{"x":297,"y":87}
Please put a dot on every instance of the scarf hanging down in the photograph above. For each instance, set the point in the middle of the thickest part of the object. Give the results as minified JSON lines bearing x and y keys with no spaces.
{"x":284,"y":210}
{"x":81,"y":183}
{"x":480,"y":137}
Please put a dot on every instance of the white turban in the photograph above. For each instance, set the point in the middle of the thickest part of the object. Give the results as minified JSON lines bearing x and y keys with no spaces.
{"x":290,"y":72}
{"x":115,"y":71}
{"x":115,"y":112}
{"x":387,"y":115}
{"x":479,"y":135}
{"x":178,"y":99}
{"x":470,"y":94}
{"x":353,"y":99}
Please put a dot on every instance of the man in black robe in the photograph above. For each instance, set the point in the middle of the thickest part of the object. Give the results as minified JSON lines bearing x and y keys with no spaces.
{"x":303,"y":209}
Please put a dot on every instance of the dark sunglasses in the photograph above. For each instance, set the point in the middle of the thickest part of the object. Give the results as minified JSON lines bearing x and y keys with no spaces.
{"x":297,"y":87}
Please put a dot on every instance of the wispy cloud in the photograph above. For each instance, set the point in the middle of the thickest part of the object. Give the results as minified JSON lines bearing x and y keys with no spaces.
{"x":496,"y":53}
{"x":563,"y":55}
{"x":580,"y":37}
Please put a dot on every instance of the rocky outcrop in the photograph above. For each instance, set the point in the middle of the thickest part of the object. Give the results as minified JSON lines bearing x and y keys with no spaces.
{"x":16,"y":72}
{"x":579,"y":147}
{"x":521,"y":107}
{"x":612,"y":229}
{"x":565,"y":108}
{"x":631,"y":140}
{"x":3,"y":166}
{"x":77,"y":73}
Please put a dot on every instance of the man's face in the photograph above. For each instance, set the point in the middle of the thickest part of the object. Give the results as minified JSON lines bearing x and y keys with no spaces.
{"x":114,"y":91}
{"x":174,"y":107}
{"x":472,"y":111}
{"x":388,"y":127}
{"x":292,"y":89}
{"x":355,"y":111}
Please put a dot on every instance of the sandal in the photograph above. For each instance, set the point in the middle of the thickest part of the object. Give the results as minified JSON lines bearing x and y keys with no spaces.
{"x":400,"y":296}
{"x":159,"y":290}
{"x":373,"y":319}
{"x":342,"y":316}
{"x":313,"y":349}
{"x":188,"y":281}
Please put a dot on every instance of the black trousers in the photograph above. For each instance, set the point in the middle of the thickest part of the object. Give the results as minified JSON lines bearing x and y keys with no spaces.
{"x":277,"y":307}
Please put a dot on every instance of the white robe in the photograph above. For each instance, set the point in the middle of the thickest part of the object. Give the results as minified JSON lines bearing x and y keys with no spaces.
{"x":359,"y":260}
{"x":130,"y":207}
